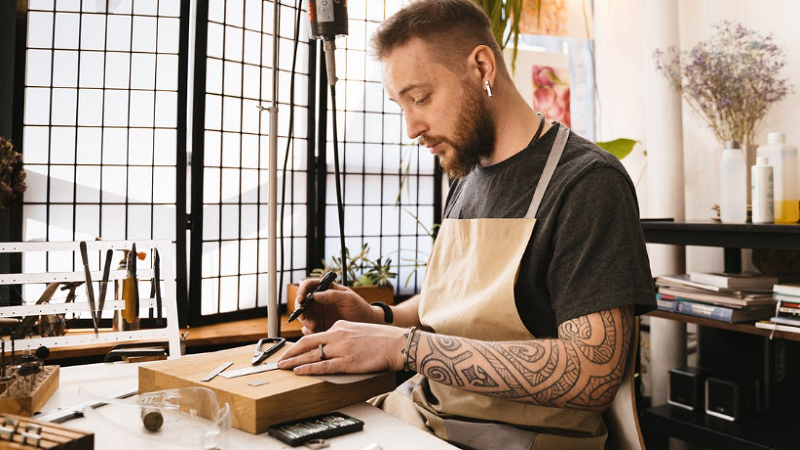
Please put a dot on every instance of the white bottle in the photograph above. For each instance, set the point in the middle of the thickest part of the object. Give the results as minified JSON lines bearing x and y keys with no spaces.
{"x":762,"y":194}
{"x":732,"y":184}
{"x":783,"y":159}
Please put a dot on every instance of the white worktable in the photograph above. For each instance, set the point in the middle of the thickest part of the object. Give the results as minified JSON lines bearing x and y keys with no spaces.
{"x":107,"y":379}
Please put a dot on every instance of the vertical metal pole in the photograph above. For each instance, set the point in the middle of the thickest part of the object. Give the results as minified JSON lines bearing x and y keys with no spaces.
{"x":272,"y":241}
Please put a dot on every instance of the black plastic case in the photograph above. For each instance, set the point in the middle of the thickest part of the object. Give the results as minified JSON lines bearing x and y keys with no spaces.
{"x":323,"y":426}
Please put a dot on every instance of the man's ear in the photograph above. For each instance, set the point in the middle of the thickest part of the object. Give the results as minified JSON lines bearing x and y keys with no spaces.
{"x":482,"y":65}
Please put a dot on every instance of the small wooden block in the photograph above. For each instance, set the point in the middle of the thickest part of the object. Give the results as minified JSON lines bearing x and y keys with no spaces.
{"x":141,"y":359}
{"x":254,"y":408}
{"x":18,"y":401}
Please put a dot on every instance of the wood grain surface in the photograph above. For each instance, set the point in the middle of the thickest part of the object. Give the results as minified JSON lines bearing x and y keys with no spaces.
{"x":285,"y":397}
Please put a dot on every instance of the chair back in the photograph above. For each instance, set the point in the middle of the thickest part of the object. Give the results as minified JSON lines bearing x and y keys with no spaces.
{"x":621,"y":418}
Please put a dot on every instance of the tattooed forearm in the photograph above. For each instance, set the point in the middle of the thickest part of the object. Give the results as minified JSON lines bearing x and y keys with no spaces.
{"x":582,"y":369}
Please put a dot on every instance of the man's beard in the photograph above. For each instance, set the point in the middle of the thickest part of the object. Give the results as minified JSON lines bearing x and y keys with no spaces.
{"x":473,"y":138}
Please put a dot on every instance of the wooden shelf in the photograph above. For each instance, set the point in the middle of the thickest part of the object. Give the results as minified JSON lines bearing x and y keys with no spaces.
{"x":238,"y":332}
{"x":229,"y":333}
{"x":738,"y":327}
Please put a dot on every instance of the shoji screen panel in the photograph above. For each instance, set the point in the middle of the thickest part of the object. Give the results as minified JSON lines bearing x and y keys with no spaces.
{"x":238,"y":67}
{"x":100,"y":134}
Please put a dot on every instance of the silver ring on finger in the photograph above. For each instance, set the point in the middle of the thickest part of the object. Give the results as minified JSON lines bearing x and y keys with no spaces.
{"x":320,"y":352}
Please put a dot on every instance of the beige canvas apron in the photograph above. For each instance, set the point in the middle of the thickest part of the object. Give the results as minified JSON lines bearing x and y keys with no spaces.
{"x":468,"y":291}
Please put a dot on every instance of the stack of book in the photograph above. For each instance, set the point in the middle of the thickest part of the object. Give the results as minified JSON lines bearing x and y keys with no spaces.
{"x":787,"y":310}
{"x":731,"y":298}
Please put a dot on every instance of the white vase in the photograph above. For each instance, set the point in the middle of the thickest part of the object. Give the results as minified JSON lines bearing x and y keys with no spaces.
{"x":732,"y":187}
{"x":749,"y":152}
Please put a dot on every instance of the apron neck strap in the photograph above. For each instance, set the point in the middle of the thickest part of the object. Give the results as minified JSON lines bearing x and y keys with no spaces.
{"x":549,"y":168}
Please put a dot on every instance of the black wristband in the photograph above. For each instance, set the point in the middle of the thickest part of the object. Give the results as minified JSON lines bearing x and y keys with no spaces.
{"x":388,"y":315}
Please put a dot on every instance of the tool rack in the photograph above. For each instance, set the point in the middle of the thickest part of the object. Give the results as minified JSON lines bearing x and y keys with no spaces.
{"x":96,"y":249}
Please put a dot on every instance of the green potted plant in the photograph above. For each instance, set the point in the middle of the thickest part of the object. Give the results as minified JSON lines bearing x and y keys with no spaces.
{"x":505,"y":16}
{"x":369,"y":278}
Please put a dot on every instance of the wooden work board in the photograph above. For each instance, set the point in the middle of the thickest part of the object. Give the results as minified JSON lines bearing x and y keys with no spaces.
{"x":285,"y":397}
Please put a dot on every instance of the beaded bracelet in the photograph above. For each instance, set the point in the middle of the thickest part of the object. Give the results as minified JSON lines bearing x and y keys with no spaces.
{"x":407,"y":347}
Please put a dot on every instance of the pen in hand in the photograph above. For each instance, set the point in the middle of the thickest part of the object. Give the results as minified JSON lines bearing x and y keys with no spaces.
{"x":324,"y":284}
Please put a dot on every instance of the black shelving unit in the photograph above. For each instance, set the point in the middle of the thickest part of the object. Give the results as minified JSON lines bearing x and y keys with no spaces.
{"x":728,"y":235}
{"x":773,"y":429}
{"x":770,"y":430}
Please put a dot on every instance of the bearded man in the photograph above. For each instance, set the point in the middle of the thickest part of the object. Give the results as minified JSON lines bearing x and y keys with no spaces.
{"x":522,"y":330}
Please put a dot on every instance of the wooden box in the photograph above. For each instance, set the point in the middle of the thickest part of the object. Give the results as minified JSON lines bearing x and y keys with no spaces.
{"x":285,"y":397}
{"x":47,"y":436}
{"x":24,"y":402}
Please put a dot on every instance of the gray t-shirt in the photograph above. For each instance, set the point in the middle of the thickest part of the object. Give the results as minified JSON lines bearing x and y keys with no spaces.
{"x":587,"y":253}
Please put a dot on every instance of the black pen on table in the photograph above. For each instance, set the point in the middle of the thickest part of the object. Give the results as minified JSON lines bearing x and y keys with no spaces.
{"x":323,"y":285}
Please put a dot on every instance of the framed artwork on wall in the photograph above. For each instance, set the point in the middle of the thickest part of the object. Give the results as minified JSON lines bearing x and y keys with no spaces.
{"x":555,"y":76}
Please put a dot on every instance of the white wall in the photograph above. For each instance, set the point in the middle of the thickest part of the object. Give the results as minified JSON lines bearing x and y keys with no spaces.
{"x":620,"y":60}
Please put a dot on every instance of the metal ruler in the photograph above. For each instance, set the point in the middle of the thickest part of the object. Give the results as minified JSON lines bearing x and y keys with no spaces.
{"x":250,"y":370}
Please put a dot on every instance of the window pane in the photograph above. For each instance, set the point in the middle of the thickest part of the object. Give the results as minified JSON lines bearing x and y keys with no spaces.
{"x":67,"y":30}
{"x":37,"y":70}
{"x":90,"y":107}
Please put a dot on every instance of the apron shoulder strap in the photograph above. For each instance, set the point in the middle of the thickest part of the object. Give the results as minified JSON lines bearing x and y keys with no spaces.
{"x":549,"y":168}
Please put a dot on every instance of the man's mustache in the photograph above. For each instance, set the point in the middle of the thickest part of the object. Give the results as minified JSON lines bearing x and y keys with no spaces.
{"x":432,"y":140}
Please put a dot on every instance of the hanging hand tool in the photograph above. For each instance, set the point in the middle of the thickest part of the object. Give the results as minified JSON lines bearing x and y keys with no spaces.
{"x":155,"y":286}
{"x":130,"y":290}
{"x":89,"y":287}
{"x":101,"y":301}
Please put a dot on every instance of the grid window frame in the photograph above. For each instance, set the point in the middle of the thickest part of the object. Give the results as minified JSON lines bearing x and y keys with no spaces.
{"x":122,"y":184}
{"x":77,"y":190}
{"x":236,"y":239}
{"x":388,"y":155}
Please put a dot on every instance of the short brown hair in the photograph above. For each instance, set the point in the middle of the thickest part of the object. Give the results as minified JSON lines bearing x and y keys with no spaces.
{"x":452,"y":28}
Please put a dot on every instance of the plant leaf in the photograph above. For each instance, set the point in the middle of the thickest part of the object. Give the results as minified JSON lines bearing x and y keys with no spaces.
{"x":618,"y":147}
{"x":500,"y":13}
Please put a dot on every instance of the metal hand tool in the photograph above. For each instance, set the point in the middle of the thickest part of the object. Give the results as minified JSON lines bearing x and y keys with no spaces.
{"x":324,"y":284}
{"x":130,"y":290}
{"x":89,"y":287}
{"x":250,"y":370}
{"x":101,"y":301}
{"x":213,"y":374}
{"x":71,"y":412}
{"x":157,"y":284}
{"x":260,"y":355}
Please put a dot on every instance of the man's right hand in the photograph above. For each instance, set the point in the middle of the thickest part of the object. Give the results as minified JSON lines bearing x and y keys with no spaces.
{"x":336,"y":303}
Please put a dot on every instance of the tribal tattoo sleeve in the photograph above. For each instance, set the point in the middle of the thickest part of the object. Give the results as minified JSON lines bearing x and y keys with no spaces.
{"x":581,"y":369}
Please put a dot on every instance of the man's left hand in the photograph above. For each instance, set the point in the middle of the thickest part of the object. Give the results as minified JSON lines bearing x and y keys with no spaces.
{"x":347,"y":347}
